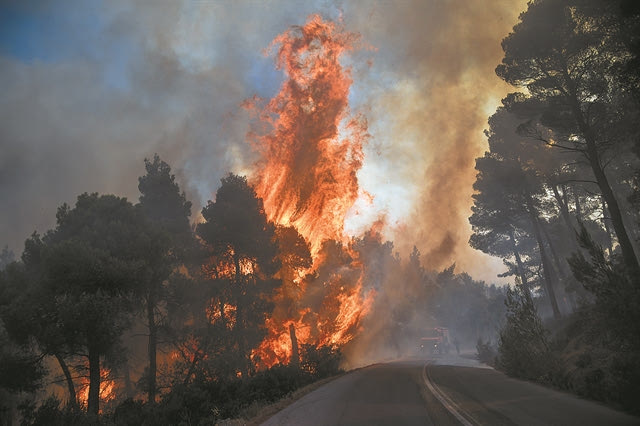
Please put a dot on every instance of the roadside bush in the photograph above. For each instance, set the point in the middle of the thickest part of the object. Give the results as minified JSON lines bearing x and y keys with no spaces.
{"x":206,"y":401}
{"x":523,"y":347}
{"x":607,"y":341}
{"x":320,"y":362}
{"x":274,"y":383}
{"x":130,"y":413}
{"x":203,"y":401}
{"x":51,"y":413}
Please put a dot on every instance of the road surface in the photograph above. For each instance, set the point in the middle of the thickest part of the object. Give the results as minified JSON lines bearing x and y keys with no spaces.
{"x":445,"y":391}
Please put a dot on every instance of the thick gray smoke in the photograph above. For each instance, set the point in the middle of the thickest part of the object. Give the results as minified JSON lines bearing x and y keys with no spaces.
{"x":99,"y":87}
{"x":115,"y":83}
{"x":429,"y":93}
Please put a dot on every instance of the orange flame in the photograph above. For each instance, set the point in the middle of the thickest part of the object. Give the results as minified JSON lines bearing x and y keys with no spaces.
{"x":307,"y":174}
{"x":107,"y":388}
{"x":352,"y":308}
{"x":217,"y":311}
{"x":276,"y":347}
{"x":307,"y":178}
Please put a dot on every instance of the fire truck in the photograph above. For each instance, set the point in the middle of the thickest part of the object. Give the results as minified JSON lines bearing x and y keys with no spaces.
{"x":435,"y":341}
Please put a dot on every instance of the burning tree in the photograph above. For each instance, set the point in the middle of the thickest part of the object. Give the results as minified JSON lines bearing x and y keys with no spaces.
{"x":244,"y":252}
{"x":311,"y":150}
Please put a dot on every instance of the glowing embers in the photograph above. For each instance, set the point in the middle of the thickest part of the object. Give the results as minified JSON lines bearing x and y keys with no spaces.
{"x":219,"y":311}
{"x":225,"y":267}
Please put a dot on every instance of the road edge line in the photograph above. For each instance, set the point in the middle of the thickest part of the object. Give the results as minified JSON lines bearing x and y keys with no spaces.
{"x":444,"y":399}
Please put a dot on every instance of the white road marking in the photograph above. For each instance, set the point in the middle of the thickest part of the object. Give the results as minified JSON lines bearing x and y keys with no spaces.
{"x":451,"y":406}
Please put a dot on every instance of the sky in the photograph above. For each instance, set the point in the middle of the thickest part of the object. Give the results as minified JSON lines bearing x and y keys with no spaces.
{"x":90,"y":88}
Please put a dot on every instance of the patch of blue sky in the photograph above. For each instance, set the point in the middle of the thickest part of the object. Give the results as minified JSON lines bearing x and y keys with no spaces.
{"x":45,"y":31}
{"x":63,"y":32}
{"x":263,"y":77}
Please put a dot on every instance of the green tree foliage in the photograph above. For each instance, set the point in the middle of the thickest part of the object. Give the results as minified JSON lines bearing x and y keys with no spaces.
{"x":51,"y":413}
{"x":205,"y":401}
{"x":161,"y":199}
{"x":28,"y":313}
{"x":21,"y":368}
{"x":506,"y":211}
{"x":569,"y":56}
{"x":499,"y":222}
{"x":524,"y":344}
{"x":79,"y":279}
{"x":615,"y":308}
{"x":560,"y":154}
{"x":167,"y":212}
{"x":601,"y":350}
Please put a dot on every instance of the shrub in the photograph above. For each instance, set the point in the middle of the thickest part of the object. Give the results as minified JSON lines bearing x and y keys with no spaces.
{"x":274,"y":383}
{"x":320,"y":362}
{"x":50,"y":413}
{"x":208,"y":401}
{"x":523,"y":345}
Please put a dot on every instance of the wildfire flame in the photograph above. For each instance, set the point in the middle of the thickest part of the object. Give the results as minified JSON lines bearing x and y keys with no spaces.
{"x":217,"y":311}
{"x":107,"y":388}
{"x":307,"y":178}
{"x":307,"y":173}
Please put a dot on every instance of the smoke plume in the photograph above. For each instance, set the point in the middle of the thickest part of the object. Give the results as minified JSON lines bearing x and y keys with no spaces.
{"x":99,"y":87}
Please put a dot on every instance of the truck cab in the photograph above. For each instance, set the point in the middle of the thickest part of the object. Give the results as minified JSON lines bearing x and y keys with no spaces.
{"x":435,"y":341}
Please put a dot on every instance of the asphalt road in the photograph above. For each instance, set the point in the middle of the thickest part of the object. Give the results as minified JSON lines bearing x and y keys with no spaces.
{"x":445,"y":391}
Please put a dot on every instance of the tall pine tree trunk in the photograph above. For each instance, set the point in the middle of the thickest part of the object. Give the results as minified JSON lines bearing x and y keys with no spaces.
{"x":93,"y":403}
{"x":128,"y":386}
{"x":570,"y":304}
{"x":240,"y":320}
{"x":73,"y":401}
{"x":628,"y":253}
{"x":578,"y":204}
{"x":564,"y":212}
{"x":557,"y":263}
{"x":295,"y":354}
{"x":546,"y":264}
{"x":521,"y":272}
{"x":152,"y":347}
{"x":606,"y":227}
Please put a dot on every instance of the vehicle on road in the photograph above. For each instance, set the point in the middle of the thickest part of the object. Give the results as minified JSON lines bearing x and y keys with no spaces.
{"x":435,"y":341}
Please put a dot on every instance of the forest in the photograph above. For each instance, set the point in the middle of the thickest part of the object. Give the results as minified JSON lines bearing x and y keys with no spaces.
{"x":127,"y":314}
{"x":150,"y":313}
{"x":557,"y":198}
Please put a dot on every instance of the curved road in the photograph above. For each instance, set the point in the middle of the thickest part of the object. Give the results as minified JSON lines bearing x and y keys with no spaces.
{"x":445,"y":391}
